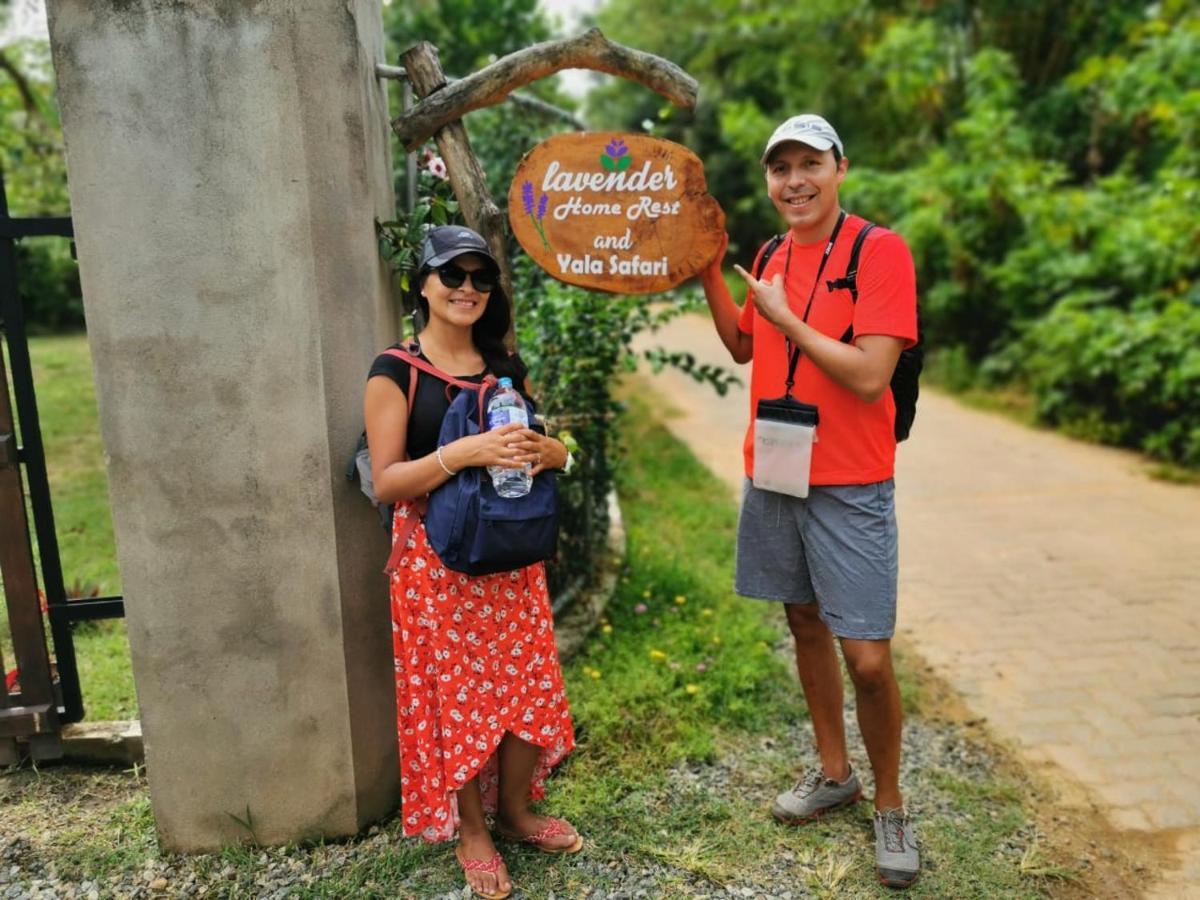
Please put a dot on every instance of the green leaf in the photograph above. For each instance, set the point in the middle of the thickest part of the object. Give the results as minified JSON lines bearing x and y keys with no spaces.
{"x":607,"y":162}
{"x":623,"y":163}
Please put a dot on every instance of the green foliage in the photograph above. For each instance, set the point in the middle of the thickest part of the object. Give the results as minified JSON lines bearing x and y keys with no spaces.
{"x":400,"y":239}
{"x":1127,"y":377}
{"x":1040,"y":159}
{"x":35,"y":181}
{"x":468,"y":34}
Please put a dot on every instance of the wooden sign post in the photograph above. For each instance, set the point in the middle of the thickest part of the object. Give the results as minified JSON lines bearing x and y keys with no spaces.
{"x":443,"y":104}
{"x":616,"y":212}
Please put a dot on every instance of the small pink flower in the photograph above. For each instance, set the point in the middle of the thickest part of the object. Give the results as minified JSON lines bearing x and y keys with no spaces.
{"x":437,"y":167}
{"x":641,"y":608}
{"x":701,"y":667}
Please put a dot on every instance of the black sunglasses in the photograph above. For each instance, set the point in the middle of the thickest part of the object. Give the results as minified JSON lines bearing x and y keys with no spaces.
{"x":452,"y":276}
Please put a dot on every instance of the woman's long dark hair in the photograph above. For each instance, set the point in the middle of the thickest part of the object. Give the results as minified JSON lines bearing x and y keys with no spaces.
{"x":488,"y":332}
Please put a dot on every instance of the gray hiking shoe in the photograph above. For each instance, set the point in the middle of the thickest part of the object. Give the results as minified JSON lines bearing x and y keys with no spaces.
{"x":897,"y":859}
{"x":814,"y":795}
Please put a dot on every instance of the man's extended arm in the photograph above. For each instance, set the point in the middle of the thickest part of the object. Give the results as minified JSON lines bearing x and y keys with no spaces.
{"x":725,"y":312}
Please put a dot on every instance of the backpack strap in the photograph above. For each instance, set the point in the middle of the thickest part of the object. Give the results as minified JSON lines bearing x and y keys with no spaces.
{"x":416,"y":365}
{"x":416,"y":510}
{"x":764,"y":257}
{"x":849,"y":281}
{"x":409,"y":355}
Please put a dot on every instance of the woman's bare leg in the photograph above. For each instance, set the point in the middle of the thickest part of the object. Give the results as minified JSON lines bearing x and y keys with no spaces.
{"x":475,"y":841}
{"x":517,"y":759}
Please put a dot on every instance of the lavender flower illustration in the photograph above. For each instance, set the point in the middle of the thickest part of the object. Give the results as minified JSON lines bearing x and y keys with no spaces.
{"x":538,"y":217}
{"x":616,"y":156}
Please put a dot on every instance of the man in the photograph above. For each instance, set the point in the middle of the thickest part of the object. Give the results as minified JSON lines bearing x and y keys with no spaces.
{"x":832,"y":556}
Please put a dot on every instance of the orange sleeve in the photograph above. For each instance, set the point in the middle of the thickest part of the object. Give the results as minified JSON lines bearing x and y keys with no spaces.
{"x":887,"y":289}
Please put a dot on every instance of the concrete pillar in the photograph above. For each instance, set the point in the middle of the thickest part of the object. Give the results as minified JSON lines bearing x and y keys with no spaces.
{"x":227,"y":161}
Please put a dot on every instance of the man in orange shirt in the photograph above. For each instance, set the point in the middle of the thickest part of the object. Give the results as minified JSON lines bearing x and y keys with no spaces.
{"x":830,"y":557}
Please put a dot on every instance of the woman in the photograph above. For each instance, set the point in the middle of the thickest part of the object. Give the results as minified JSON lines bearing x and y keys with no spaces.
{"x":482,"y":714}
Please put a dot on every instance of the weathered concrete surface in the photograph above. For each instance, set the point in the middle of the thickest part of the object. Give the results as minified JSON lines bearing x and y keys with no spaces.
{"x":227,"y":161}
{"x":1053,"y":583}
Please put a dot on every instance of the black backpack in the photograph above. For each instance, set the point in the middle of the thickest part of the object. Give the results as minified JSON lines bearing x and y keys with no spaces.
{"x":905,"y":379}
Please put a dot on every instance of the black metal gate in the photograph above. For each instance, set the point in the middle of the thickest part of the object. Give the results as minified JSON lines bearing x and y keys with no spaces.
{"x":45,"y":700}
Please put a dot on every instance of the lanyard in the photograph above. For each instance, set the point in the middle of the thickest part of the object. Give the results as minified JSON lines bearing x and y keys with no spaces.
{"x":794,"y":352}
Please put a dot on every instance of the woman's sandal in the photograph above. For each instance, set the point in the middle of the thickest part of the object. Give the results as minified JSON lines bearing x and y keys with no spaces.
{"x":553,"y":828}
{"x":482,"y":865}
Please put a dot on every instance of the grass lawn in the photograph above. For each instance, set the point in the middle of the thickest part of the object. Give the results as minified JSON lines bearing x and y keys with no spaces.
{"x":66,"y":400}
{"x":689,"y":721}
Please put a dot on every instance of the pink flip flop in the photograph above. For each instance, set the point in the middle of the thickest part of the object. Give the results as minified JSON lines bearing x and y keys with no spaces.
{"x":482,"y":865}
{"x":554,"y":827}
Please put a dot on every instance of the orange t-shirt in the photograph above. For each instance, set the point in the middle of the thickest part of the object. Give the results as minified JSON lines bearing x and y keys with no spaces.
{"x":856,"y":443}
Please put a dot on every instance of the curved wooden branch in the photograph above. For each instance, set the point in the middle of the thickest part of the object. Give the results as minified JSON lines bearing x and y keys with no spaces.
{"x":398,"y":73}
{"x":492,"y":84}
{"x":28,"y":100}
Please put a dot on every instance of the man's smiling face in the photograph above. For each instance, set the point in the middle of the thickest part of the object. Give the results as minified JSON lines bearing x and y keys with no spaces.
{"x":803,"y":184}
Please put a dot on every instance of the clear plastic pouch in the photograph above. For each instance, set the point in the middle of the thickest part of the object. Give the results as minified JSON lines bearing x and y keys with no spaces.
{"x":784,"y":432}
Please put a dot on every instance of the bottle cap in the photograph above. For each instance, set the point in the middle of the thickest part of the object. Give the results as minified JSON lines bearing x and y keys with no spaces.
{"x":505,"y":382}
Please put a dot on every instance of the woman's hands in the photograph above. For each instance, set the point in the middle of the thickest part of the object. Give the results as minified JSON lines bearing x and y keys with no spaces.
{"x":511,"y":446}
{"x":541,"y":451}
{"x":497,"y":447}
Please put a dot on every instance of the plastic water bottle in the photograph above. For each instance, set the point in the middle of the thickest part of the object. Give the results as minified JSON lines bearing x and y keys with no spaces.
{"x":507,"y":406}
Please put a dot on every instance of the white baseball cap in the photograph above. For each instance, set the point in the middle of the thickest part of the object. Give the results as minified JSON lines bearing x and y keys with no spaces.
{"x":807,"y":129}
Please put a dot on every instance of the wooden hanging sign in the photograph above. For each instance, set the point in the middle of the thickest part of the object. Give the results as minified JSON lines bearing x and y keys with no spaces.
{"x":616,"y":212}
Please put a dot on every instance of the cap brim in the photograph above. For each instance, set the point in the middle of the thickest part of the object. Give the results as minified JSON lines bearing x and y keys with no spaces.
{"x":817,"y":143}
{"x":449,"y":255}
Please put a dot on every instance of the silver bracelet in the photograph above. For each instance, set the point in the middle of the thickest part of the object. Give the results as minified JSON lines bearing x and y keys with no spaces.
{"x":442,"y":463}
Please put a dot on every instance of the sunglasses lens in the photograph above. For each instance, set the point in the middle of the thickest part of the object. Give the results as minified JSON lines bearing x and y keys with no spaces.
{"x":484,"y":281}
{"x":452,"y":276}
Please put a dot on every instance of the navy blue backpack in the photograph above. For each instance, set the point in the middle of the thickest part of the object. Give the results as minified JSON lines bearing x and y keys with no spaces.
{"x":472,"y":528}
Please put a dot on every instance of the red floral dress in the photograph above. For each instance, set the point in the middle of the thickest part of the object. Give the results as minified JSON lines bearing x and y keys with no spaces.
{"x":475,"y":658}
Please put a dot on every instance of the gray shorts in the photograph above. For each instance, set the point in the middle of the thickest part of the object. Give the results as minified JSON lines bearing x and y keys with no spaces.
{"x":838,"y":547}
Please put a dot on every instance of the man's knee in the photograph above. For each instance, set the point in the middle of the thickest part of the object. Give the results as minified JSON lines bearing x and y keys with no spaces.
{"x":805,"y":622}
{"x":869,"y":663}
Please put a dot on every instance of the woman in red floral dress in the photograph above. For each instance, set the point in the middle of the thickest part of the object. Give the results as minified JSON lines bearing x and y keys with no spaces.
{"x":482,"y":713}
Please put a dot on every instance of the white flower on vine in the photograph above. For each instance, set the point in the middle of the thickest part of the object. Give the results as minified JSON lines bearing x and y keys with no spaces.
{"x":437,"y":167}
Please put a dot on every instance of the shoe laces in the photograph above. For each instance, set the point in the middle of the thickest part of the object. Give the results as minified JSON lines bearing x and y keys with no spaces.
{"x":894,"y":823}
{"x":809,"y":782}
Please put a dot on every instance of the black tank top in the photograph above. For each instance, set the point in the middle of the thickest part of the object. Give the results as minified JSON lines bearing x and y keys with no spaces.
{"x":433,"y":397}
